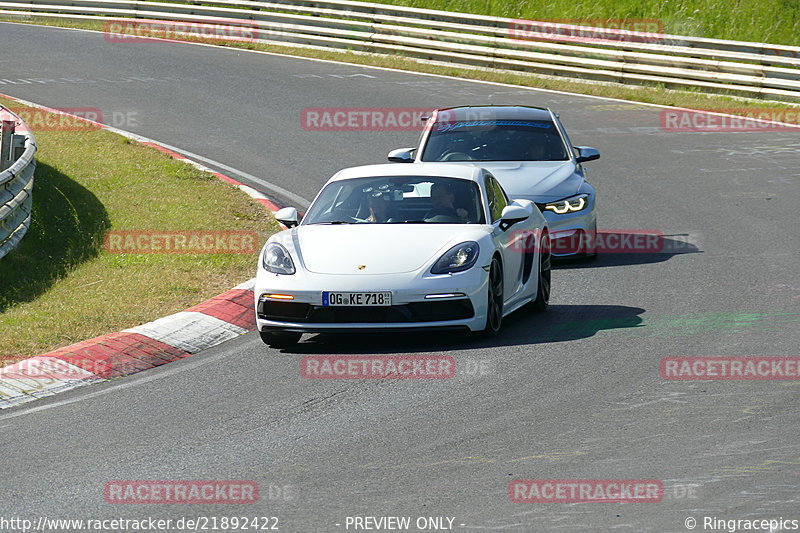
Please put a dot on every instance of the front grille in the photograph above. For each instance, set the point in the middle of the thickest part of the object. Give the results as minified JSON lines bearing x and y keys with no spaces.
{"x":438,"y":311}
{"x":288,"y":311}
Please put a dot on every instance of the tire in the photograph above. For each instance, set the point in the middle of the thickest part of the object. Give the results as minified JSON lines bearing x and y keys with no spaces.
{"x":545,"y":271}
{"x":494,"y":301}
{"x":280,"y":339}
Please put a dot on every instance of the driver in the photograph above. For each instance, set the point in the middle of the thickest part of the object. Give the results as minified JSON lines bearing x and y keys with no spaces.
{"x":380,"y":208}
{"x":442,"y":198}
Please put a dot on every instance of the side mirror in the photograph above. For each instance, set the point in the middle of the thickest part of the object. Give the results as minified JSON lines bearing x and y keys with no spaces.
{"x":511,"y":215}
{"x":586,"y":153}
{"x":402,"y":155}
{"x":287,"y":216}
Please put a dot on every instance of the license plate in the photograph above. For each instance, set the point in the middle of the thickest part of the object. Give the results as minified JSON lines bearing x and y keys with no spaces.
{"x":362,"y":299}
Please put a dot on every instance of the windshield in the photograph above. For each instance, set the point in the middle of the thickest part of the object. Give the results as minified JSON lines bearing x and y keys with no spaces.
{"x":495,"y":140}
{"x":398,"y":200}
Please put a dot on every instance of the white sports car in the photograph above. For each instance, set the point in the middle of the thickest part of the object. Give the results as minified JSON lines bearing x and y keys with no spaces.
{"x":394,"y":247}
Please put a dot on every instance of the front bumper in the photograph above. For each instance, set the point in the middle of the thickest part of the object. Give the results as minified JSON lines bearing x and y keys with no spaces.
{"x":454,"y":301}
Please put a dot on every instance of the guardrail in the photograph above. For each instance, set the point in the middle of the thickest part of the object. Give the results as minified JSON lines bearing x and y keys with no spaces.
{"x":16,"y":180}
{"x":472,"y":41}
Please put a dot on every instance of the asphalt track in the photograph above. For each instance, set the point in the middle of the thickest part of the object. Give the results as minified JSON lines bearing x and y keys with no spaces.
{"x":573,"y":394}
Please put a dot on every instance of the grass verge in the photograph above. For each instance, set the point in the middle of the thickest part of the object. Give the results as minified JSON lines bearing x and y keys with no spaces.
{"x":761,"y":21}
{"x":60,"y":286}
{"x":693,"y":99}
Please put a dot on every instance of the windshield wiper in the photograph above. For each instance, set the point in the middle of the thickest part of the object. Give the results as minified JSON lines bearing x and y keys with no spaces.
{"x":332,"y":223}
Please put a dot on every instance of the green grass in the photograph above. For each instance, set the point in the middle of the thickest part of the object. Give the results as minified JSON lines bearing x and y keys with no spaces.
{"x":60,"y":286}
{"x":764,"y":21}
{"x":767,"y":21}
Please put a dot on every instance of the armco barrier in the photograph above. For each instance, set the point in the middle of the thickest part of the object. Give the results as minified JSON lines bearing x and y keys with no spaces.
{"x":474,"y":41}
{"x":16,"y":181}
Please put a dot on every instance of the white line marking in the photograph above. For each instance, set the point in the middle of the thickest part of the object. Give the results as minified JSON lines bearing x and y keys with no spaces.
{"x":248,"y":285}
{"x":132,"y":380}
{"x":276,"y":189}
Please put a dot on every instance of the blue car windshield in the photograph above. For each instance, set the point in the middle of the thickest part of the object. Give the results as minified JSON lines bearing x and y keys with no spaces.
{"x":398,"y":200}
{"x":495,"y":140}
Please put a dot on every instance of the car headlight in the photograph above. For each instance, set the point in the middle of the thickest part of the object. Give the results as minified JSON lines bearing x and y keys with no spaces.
{"x":276,"y":259}
{"x":457,"y":259}
{"x":568,"y":205}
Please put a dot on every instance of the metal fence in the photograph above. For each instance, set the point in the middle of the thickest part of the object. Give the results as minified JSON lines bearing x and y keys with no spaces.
{"x":472,"y":41}
{"x":16,"y":180}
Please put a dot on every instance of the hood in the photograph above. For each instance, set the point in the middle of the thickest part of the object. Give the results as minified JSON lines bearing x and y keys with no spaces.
{"x":536,"y":180}
{"x":382,"y":248}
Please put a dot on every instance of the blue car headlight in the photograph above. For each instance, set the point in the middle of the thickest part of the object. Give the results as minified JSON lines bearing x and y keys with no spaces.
{"x":568,"y":205}
{"x":457,"y":259}
{"x":276,"y":259}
